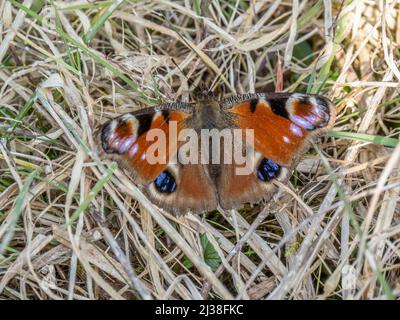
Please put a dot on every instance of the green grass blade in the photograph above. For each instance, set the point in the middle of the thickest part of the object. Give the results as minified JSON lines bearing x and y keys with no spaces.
{"x":87,"y":51}
{"x":388,"y":142}
{"x":89,"y":198}
{"x":17,"y":211}
{"x":99,"y":22}
{"x":97,"y":4}
{"x":27,"y":106}
{"x":349,"y":209}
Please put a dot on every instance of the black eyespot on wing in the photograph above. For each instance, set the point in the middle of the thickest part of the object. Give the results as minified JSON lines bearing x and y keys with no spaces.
{"x":323,"y":103}
{"x":268,"y":170}
{"x":253,"y":105}
{"x":145,"y":121}
{"x":105,"y":132}
{"x":278,"y":106}
{"x":165,"y":183}
{"x":324,"y":107}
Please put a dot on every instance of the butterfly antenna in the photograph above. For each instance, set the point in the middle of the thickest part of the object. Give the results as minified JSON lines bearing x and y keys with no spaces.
{"x":179,"y":68}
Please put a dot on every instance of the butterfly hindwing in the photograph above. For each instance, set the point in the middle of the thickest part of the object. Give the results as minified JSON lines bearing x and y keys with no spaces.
{"x":234,"y":188}
{"x":195,"y":191}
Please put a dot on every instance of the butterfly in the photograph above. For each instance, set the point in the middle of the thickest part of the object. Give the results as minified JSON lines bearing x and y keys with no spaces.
{"x":282,"y":125}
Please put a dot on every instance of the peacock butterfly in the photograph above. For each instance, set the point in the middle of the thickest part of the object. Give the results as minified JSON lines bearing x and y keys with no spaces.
{"x":282,"y":125}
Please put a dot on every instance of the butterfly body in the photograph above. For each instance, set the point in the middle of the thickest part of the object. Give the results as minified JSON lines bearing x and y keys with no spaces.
{"x":282,"y":126}
{"x":207,"y":114}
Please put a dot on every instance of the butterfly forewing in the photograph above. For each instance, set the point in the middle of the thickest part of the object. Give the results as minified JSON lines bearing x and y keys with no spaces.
{"x":283,"y":123}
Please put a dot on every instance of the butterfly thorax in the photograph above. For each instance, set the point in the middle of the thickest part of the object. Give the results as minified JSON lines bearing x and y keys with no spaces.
{"x":208,"y":115}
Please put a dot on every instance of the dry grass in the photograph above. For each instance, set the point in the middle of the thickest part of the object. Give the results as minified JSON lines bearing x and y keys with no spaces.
{"x":74,"y":227}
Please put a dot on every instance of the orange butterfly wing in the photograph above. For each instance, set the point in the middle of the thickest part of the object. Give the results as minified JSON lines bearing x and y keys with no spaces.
{"x":283,"y":123}
{"x":126,"y":138}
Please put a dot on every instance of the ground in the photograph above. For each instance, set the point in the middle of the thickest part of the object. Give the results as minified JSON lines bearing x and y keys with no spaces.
{"x":73,"y":225}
